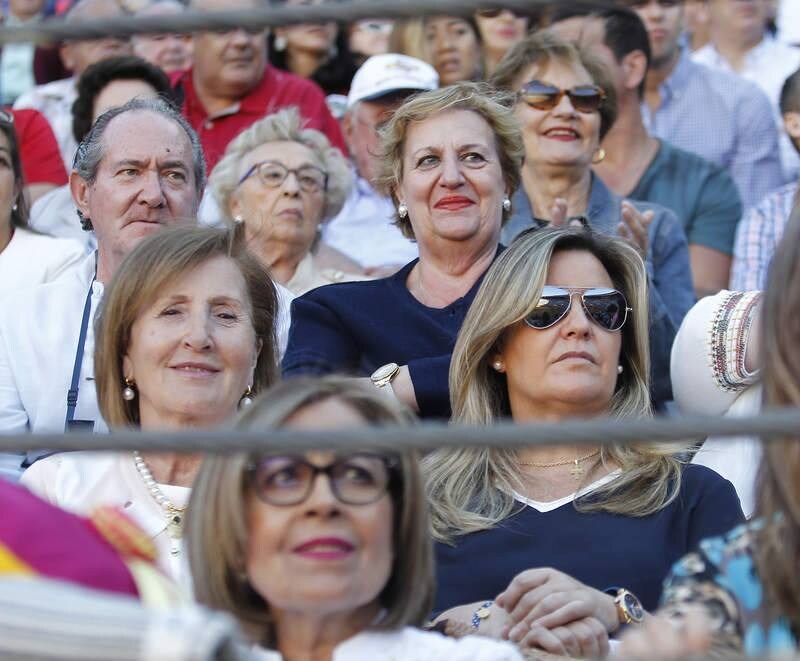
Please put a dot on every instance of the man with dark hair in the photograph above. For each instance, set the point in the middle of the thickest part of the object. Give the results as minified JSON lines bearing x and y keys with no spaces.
{"x":641,"y":167}
{"x":762,"y":226}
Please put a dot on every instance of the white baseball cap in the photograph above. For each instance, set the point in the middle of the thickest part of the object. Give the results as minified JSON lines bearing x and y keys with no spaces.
{"x":391,"y":72}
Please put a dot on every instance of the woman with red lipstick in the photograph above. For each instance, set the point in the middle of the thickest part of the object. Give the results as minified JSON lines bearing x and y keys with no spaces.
{"x":558,"y":330}
{"x":322,"y":555}
{"x":186,"y":335}
{"x":451,"y":162}
{"x":565,"y":104}
{"x":281,"y":182}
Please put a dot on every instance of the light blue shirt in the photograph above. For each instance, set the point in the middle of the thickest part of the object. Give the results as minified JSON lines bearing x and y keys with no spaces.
{"x":724,"y":119}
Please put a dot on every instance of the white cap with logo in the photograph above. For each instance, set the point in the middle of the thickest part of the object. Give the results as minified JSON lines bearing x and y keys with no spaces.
{"x":390,"y":72}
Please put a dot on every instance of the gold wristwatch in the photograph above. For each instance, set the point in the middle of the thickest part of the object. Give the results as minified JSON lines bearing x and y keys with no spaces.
{"x":382,"y":377}
{"x":629,"y":608}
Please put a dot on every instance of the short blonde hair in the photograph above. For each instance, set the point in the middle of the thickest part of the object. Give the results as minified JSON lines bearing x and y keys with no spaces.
{"x":469,"y":488}
{"x":545,"y":46}
{"x":493,"y":107}
{"x":283,"y":126}
{"x":217,"y":526}
{"x":153,"y":265}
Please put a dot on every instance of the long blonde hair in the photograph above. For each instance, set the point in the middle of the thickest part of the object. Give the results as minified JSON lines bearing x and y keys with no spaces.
{"x":470,"y":489}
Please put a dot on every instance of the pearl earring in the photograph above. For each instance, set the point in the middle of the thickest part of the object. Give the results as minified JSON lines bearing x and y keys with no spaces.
{"x":620,"y":369}
{"x":402,"y":211}
{"x":238,"y":219}
{"x":498,"y":365}
{"x":506,"y":204}
{"x":246,"y":399}
{"x":128,"y":393}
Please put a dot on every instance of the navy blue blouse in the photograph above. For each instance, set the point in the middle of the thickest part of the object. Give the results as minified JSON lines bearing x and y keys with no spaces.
{"x":355,"y":327}
{"x":599,"y":549}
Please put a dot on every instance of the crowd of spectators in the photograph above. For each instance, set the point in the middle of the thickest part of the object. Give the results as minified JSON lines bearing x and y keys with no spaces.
{"x":581,"y":211}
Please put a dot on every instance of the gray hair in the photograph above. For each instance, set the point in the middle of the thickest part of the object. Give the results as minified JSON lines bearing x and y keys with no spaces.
{"x":91,"y":150}
{"x":283,"y":126}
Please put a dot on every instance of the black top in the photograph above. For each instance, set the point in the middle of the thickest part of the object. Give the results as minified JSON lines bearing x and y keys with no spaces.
{"x":355,"y":327}
{"x":599,"y":549}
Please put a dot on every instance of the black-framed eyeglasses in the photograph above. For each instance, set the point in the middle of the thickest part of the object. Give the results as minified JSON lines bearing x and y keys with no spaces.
{"x":272,"y":174}
{"x":543,"y":96}
{"x":605,"y":307}
{"x":356,"y":479}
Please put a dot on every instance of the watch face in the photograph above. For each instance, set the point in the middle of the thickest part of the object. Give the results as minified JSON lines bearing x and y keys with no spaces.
{"x":633,"y":607}
{"x":384,"y":371}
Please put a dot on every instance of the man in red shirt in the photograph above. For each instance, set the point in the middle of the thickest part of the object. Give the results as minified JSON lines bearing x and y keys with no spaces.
{"x":230,"y":86}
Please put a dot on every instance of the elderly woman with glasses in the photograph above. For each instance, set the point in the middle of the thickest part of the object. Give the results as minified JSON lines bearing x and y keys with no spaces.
{"x":322,"y":555}
{"x":282,"y":182}
{"x":580,"y":537}
{"x":565,"y":104}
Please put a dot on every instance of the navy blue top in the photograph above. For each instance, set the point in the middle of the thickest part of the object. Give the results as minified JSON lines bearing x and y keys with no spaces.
{"x":599,"y":549}
{"x":355,"y":327}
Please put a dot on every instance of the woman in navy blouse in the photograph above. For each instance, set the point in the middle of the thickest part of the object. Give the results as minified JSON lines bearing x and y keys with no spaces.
{"x":575,"y":540}
{"x":451,"y":163}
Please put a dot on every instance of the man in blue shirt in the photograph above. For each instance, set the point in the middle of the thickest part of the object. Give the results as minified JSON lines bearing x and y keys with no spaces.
{"x":641,"y":167}
{"x":712,"y":113}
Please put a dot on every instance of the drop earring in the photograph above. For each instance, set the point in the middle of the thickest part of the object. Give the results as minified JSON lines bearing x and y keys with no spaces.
{"x":506,"y":204}
{"x":402,"y":211}
{"x":247,"y":398}
{"x":128,"y":393}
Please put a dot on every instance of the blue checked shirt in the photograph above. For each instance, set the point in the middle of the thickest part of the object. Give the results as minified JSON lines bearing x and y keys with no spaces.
{"x":724,"y":119}
{"x":757,"y":238}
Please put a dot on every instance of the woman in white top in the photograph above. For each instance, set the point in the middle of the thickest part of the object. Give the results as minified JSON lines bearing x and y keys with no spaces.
{"x":322,"y":555}
{"x":26,"y":257}
{"x":282,"y":182}
{"x":186,"y":334}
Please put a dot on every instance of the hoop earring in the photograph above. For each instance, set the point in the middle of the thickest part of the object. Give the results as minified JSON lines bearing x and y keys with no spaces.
{"x":402,"y":211}
{"x":246,"y":399}
{"x":128,"y":393}
{"x":599,"y":155}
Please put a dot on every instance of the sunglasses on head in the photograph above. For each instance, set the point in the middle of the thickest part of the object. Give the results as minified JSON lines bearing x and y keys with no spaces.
{"x":494,"y":12}
{"x":641,"y":4}
{"x":605,"y":307}
{"x":543,"y":96}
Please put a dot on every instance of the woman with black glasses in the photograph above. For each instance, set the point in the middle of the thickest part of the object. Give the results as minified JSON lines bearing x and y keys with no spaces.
{"x":580,"y":537}
{"x":565,"y":104}
{"x":322,"y":555}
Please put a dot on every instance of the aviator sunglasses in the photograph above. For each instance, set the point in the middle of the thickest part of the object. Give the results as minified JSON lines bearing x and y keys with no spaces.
{"x":542,"y":96}
{"x":605,"y":307}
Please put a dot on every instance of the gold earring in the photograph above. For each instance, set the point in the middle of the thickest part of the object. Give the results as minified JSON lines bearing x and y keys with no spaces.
{"x":599,"y":155}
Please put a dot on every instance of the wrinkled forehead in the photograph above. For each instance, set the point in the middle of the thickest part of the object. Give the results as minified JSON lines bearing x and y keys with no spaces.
{"x":144,"y":135}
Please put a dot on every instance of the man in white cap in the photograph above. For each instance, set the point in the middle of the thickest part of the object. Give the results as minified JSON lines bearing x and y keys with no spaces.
{"x":364,"y":229}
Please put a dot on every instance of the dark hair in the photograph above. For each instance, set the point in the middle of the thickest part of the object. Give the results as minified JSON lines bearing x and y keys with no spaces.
{"x":790,"y":94}
{"x":623,"y":30}
{"x":100,"y":74}
{"x":19,"y":208}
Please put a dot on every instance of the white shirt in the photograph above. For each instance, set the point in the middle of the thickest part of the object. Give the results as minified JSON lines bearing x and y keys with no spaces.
{"x":80,"y":482}
{"x":32,"y":259}
{"x":768,"y":65}
{"x":54,"y":100}
{"x":364,"y":230}
{"x":789,"y":21}
{"x":410,"y":644}
{"x":55,"y":213}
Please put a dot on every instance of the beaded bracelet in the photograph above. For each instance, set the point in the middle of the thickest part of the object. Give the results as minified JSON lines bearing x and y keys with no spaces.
{"x":481,"y":614}
{"x":727,"y":340}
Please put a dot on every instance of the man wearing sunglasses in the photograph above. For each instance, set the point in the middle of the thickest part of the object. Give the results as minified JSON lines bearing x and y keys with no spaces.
{"x":712,"y":113}
{"x":640,"y":167}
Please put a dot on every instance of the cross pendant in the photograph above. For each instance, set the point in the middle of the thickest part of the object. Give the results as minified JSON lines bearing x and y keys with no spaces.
{"x":576,"y":471}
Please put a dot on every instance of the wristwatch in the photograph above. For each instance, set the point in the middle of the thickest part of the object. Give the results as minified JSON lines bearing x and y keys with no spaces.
{"x":629,"y":608}
{"x":382,"y":377}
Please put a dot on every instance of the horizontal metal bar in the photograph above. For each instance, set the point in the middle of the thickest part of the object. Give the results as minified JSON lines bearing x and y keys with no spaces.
{"x":783,"y":422}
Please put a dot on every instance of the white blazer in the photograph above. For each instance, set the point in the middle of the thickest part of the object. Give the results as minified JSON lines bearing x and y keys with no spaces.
{"x":32,"y":259}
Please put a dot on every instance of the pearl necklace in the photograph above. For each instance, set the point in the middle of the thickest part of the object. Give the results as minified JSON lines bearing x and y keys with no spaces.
{"x":172,"y":512}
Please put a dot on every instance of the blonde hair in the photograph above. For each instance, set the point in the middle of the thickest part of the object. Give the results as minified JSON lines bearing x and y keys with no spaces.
{"x":154,"y":264}
{"x":494,"y":107}
{"x":470,"y":489}
{"x":216,"y":525}
{"x":283,"y":126}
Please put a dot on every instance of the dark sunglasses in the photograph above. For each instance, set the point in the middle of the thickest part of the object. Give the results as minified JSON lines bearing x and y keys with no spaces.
{"x":357,"y":479}
{"x":664,"y":4}
{"x":584,"y":98}
{"x":494,"y":12}
{"x":605,"y":307}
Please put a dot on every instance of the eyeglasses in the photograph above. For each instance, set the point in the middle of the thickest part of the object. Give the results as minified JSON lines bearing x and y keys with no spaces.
{"x":6,"y":116}
{"x":584,"y":98}
{"x":605,"y":307}
{"x":494,"y":12}
{"x":664,"y":4}
{"x":375,"y":27}
{"x":272,"y":174}
{"x":358,"y":479}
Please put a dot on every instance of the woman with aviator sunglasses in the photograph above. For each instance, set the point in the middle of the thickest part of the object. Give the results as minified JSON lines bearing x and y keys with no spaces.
{"x":565,"y":105}
{"x":579,"y":537}
{"x":322,"y":555}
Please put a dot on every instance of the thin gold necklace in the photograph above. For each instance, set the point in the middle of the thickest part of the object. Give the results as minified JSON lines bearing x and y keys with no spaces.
{"x":577,"y":471}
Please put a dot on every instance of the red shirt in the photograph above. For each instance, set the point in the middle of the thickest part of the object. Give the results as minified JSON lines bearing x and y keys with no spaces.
{"x":38,"y":149}
{"x":277,"y":89}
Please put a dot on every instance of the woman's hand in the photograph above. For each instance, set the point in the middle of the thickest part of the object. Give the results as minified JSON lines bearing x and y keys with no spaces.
{"x":581,"y":638}
{"x":549,"y":599}
{"x":634,"y":226}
